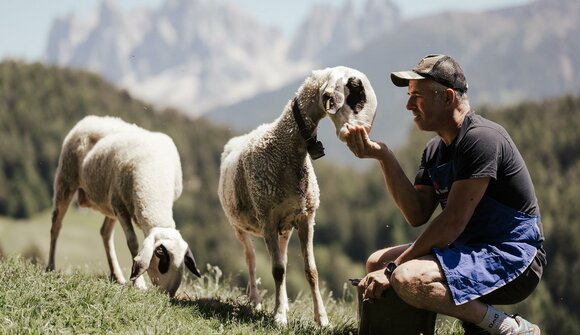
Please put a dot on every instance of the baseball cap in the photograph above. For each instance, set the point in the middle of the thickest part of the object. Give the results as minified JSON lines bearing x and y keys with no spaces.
{"x":440,"y":68}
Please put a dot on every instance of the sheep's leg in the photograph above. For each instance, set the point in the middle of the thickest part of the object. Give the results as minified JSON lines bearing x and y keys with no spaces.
{"x":279,"y":274}
{"x":63,"y":196}
{"x":133,"y":245}
{"x":107,"y":233}
{"x":252,"y":289}
{"x":306,"y":233}
{"x":283,"y":239}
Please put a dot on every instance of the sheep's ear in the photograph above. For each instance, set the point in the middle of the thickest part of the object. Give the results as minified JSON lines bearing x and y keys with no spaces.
{"x":190,"y":262}
{"x":356,"y":97}
{"x":328,"y":103}
{"x":143,"y":259}
{"x":330,"y":97}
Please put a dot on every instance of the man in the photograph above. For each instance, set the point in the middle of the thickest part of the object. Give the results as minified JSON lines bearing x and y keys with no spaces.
{"x":485,"y":246}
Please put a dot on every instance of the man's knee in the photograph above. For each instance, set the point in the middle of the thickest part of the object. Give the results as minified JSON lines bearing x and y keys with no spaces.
{"x":404,"y":280}
{"x":413,"y":280}
{"x":407,"y":286}
{"x":374,"y":261}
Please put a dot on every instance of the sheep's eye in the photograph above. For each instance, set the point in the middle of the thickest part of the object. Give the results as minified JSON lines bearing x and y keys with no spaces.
{"x":160,"y":251}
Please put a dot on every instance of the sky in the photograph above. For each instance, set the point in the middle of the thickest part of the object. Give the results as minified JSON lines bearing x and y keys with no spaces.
{"x":25,"y":24}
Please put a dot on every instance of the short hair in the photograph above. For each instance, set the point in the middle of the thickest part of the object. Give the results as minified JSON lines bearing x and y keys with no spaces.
{"x":462,"y":98}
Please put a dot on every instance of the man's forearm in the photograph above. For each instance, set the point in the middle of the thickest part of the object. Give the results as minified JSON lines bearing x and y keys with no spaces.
{"x":407,"y":198}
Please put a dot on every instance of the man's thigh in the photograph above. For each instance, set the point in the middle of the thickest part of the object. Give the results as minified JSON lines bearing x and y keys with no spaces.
{"x":424,"y":270}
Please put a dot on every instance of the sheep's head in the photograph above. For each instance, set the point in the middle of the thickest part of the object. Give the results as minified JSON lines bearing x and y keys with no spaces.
{"x":348,"y":98}
{"x":163,"y":255}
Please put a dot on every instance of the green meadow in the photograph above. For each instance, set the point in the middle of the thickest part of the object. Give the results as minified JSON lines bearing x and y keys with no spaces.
{"x":79,"y":298}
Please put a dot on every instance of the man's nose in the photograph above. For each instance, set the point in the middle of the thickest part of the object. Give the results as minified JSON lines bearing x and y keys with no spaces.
{"x":410,"y":103}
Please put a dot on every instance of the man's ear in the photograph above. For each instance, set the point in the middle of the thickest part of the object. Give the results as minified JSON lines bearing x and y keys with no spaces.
{"x":450,"y":96}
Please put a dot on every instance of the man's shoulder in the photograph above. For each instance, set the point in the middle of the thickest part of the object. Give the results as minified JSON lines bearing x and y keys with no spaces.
{"x":481,"y":127}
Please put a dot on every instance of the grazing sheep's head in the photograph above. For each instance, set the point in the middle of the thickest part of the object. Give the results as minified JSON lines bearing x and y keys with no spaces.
{"x":348,"y":98}
{"x":163,"y":254}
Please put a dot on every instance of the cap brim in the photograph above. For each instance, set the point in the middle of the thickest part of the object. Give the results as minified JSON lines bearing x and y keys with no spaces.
{"x":401,"y":78}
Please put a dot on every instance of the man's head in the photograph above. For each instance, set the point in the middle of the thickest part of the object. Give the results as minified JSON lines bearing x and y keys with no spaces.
{"x":439,"y":68}
{"x":437,"y":94}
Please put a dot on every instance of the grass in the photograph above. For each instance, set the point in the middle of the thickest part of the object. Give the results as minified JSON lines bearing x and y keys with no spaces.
{"x":79,"y":298}
{"x":33,"y":301}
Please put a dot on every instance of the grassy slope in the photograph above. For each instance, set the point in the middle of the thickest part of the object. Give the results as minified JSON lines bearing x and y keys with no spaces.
{"x":38,"y":302}
{"x":79,"y":245}
{"x":33,"y":301}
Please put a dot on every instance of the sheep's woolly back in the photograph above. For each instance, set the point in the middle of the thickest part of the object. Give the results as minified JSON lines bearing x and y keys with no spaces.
{"x":97,"y":151}
{"x":139,"y":172}
{"x":87,"y":132}
{"x":78,"y":142}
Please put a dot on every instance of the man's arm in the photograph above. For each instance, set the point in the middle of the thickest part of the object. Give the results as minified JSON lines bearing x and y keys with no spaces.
{"x":417,"y":203}
{"x":450,"y":223}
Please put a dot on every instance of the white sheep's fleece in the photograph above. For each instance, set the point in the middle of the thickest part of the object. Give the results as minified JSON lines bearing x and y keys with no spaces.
{"x":267,"y":185}
{"x":131,"y":175}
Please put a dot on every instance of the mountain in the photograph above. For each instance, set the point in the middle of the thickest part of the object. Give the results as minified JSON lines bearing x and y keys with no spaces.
{"x":191,"y":55}
{"x":212,"y":58}
{"x":329,"y":33}
{"x":102,"y":42}
{"x":508,"y":55}
{"x":197,"y":55}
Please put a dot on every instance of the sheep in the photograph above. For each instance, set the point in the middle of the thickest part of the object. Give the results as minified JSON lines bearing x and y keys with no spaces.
{"x":128,"y":174}
{"x":267,"y":186}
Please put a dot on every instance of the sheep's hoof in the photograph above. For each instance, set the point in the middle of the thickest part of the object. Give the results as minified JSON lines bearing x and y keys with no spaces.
{"x":116,"y":279}
{"x":323,"y":322}
{"x":280,"y":320}
{"x":256,"y":303}
{"x":139,"y":284}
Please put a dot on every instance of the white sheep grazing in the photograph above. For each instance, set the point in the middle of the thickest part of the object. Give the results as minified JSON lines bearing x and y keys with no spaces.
{"x":130,"y":174}
{"x":267,"y":185}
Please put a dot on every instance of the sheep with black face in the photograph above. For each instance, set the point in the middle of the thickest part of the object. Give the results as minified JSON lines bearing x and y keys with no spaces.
{"x":267,"y":185}
{"x":132,"y":175}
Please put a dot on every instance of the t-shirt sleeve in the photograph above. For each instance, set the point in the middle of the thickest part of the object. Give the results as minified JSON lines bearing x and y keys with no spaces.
{"x":478,"y":154}
{"x":422,"y":176}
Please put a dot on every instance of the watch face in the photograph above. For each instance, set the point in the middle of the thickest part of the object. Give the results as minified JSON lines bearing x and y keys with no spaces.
{"x":391,"y":267}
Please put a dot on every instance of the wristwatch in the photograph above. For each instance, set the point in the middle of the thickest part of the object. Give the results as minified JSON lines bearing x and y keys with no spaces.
{"x":391,"y":266}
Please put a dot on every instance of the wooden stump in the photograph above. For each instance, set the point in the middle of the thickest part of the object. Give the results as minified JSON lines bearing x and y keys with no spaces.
{"x":391,"y":315}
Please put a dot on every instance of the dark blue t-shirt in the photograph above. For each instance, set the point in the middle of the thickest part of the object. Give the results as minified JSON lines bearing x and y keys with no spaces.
{"x":483,"y":149}
{"x":498,"y":243}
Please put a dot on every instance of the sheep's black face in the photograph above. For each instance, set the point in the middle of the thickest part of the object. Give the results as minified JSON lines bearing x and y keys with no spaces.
{"x":163,"y":270}
{"x":356,"y":98}
{"x":348,"y":98}
{"x":163,"y":256}
{"x":164,"y":259}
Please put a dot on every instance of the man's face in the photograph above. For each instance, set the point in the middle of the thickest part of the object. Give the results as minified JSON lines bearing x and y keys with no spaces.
{"x":426,"y":105}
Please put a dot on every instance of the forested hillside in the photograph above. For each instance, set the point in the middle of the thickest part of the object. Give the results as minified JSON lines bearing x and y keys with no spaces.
{"x":39,"y":104}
